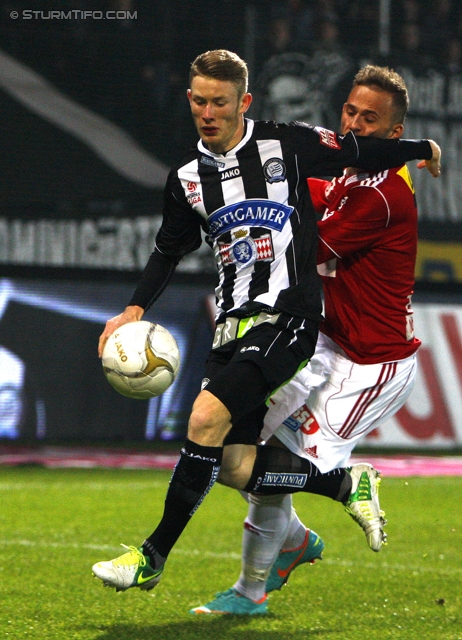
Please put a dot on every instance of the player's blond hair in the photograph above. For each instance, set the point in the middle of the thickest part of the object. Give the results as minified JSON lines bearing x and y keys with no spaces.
{"x":387,"y":80}
{"x":221,"y":64}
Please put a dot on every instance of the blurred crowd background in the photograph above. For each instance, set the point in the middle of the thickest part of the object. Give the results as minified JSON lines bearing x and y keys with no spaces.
{"x":134,"y":71}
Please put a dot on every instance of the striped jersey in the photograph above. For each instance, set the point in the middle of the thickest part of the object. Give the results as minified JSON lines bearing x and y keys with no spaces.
{"x":255,"y":207}
{"x":366,"y":257}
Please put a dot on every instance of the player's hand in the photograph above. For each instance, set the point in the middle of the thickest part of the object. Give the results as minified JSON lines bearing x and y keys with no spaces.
{"x":433,"y":165}
{"x":131,"y":314}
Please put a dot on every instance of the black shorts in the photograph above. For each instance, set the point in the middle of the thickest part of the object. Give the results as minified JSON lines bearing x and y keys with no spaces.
{"x":248,"y":365}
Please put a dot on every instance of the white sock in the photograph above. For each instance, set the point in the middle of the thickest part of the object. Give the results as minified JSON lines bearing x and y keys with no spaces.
{"x":265,"y":530}
{"x":296,"y":532}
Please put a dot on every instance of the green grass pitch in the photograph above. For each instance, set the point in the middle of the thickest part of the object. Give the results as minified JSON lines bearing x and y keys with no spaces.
{"x":54,"y":524}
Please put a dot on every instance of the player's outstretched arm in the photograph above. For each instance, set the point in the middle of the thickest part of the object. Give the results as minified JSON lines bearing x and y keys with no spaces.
{"x":131,"y":313}
{"x":433,"y":165}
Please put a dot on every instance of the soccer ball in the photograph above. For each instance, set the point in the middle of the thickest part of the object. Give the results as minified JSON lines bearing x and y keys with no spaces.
{"x":141,"y":359}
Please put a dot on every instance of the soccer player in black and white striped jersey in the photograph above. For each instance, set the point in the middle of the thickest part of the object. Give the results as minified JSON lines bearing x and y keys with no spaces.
{"x":245,"y":186}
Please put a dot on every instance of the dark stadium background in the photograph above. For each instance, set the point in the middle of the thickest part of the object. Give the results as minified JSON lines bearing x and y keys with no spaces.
{"x":93,"y":111}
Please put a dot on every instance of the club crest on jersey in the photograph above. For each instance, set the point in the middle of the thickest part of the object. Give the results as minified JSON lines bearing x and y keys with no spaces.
{"x":274,"y":170}
{"x":211,"y":162}
{"x":250,"y":213}
{"x":244,"y":251}
{"x":327,"y":138}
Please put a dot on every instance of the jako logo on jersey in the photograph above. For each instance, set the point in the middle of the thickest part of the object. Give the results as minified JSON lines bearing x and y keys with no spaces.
{"x":327,"y":138}
{"x":205,"y":382}
{"x":252,"y":348}
{"x":235,"y":172}
{"x":212,"y":162}
{"x":284,"y":479}
{"x":274,"y":170}
{"x":252,"y":213}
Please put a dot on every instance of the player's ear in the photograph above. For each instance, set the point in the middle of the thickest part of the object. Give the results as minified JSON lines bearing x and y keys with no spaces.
{"x":397,"y":131}
{"x":246,"y":102}
{"x":189,"y":94}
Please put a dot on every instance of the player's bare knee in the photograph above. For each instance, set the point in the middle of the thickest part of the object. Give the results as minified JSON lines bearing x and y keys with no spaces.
{"x":209,"y":421}
{"x":204,"y":430}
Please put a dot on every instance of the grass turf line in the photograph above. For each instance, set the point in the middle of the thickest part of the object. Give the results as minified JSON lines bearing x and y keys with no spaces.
{"x":54,"y":524}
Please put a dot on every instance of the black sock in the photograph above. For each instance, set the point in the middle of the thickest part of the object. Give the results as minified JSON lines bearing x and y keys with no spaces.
{"x":278,"y":470}
{"x":345,"y":488}
{"x":193,"y":477}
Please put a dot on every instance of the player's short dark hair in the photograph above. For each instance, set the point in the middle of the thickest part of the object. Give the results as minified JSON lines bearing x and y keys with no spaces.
{"x":387,"y":80}
{"x":221,"y":65}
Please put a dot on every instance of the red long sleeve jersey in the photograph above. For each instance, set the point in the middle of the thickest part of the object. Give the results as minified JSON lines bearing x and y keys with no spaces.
{"x":366,"y":258}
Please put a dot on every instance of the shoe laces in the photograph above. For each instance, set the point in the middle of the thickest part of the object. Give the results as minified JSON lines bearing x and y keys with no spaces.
{"x":133,"y":556}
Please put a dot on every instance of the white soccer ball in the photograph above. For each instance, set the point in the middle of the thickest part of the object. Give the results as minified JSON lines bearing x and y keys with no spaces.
{"x":141,"y":359}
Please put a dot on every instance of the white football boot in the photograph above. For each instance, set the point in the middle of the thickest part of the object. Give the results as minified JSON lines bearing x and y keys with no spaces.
{"x":363,"y":504}
{"x":132,"y":569}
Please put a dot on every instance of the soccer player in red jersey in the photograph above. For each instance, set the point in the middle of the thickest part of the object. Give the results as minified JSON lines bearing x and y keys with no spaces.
{"x":244,"y":185}
{"x":364,"y":365}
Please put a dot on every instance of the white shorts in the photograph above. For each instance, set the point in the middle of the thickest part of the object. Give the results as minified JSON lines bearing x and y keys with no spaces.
{"x":334,"y":402}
